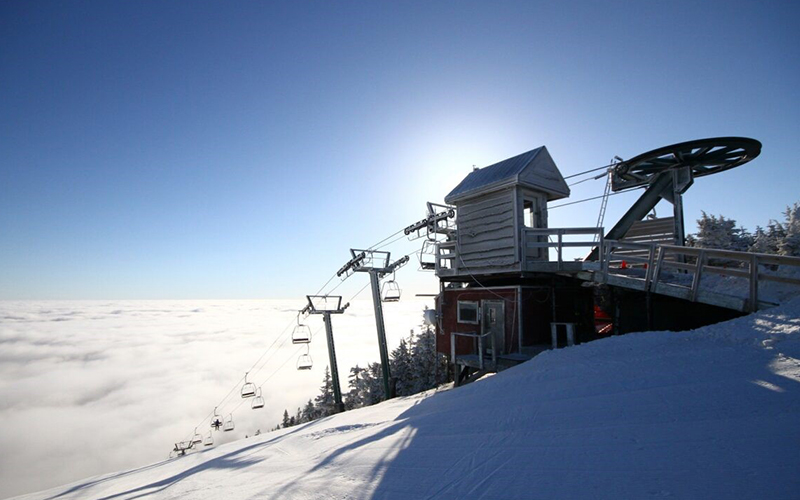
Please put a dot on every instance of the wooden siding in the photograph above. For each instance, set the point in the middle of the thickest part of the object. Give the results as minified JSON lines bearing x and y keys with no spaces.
{"x":543,"y":173}
{"x":448,"y":305}
{"x":486,"y":231}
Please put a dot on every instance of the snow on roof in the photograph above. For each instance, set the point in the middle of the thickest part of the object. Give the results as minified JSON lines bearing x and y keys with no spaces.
{"x":534,"y":169}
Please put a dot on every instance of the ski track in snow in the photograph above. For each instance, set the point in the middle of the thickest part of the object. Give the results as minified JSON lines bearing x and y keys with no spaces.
{"x":711,"y":413}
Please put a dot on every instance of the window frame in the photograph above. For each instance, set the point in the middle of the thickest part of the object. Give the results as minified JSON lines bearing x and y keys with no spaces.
{"x":470,"y":304}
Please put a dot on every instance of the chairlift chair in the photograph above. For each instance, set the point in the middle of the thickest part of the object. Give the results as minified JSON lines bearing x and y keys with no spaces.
{"x":228,"y":425}
{"x":197,"y":439}
{"x":180,"y":448}
{"x":248,"y":389}
{"x":304,"y":362}
{"x":301,"y":333}
{"x":216,"y":420}
{"x":390,"y":291}
{"x":209,"y":440}
{"x":427,"y":256}
{"x":258,"y":401}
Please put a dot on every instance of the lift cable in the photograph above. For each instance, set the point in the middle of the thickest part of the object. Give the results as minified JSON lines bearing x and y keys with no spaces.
{"x":584,"y":200}
{"x":236,"y":385}
{"x":375,"y":246}
{"x":596,"y":177}
{"x":293,"y":354}
{"x":589,"y":171}
{"x":391,"y":242}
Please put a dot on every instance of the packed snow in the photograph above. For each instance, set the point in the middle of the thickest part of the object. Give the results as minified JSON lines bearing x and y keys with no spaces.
{"x":92,"y":387}
{"x":710,"y":413}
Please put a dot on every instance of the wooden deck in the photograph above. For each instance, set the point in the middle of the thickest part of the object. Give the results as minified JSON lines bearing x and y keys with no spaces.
{"x":680,"y":272}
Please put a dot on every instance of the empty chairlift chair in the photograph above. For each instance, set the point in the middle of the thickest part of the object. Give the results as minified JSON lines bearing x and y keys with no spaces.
{"x":209,"y":440}
{"x":228,"y":425}
{"x":304,"y":362}
{"x":197,"y":439}
{"x":248,"y":389}
{"x":390,"y":291}
{"x":301,"y":333}
{"x":427,"y":256}
{"x":258,"y":401}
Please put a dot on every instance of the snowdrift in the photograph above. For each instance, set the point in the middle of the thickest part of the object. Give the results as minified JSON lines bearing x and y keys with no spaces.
{"x":711,"y":413}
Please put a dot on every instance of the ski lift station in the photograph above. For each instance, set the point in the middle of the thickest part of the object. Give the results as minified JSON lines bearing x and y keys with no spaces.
{"x":510,"y":287}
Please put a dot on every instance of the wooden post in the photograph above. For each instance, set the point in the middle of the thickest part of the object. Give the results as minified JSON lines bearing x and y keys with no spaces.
{"x":753,"y":282}
{"x":698,"y":272}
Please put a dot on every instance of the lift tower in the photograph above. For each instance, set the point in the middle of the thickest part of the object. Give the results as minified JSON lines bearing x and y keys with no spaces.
{"x":377,"y":264}
{"x":327,"y":305}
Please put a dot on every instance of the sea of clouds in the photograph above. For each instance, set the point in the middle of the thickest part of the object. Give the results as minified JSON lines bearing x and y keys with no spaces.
{"x":88,"y":387}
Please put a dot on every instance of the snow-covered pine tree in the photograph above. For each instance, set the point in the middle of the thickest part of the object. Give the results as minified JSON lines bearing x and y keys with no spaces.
{"x":429,"y":366}
{"x":355,"y":396}
{"x":401,"y":369}
{"x":286,"y":422}
{"x":373,"y":384}
{"x":720,"y":232}
{"x":309,"y":412}
{"x":324,"y":402}
{"x":767,"y":240}
{"x":789,"y":244}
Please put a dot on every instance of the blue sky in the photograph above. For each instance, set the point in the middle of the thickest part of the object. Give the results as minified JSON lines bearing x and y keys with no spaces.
{"x":218,"y":150}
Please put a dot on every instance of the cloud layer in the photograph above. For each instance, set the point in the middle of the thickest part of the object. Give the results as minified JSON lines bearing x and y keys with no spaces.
{"x":88,"y":387}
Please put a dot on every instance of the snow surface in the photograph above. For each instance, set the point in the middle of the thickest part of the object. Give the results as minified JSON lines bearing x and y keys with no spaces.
{"x":92,"y":387}
{"x":710,"y":413}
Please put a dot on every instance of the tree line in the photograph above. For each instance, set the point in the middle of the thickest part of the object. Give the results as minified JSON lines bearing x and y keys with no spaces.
{"x":777,"y":238}
{"x":414,"y":364}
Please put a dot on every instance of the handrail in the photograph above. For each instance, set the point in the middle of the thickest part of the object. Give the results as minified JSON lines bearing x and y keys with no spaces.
{"x":474,"y":336}
{"x":449,"y":256}
{"x":530,"y":241}
{"x":699,"y":261}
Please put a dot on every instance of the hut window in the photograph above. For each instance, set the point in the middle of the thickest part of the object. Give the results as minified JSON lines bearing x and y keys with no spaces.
{"x":467,"y":312}
{"x":530,"y":209}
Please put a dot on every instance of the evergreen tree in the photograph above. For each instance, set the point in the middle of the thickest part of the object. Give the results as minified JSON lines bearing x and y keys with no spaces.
{"x":767,"y":240}
{"x":789,"y":244}
{"x":309,"y":412}
{"x":721,"y":233}
{"x":356,"y":395}
{"x":429,"y":367}
{"x":324,"y":402}
{"x":286,"y":423}
{"x":400,"y":367}
{"x":373,"y":384}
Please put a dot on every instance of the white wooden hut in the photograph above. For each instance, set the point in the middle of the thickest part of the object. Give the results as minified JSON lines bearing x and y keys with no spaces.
{"x":495,"y":206}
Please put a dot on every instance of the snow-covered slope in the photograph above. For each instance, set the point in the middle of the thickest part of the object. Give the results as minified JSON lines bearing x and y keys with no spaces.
{"x":713,"y":413}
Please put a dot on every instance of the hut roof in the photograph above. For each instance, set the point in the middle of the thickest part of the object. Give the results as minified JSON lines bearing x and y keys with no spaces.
{"x":534,"y":169}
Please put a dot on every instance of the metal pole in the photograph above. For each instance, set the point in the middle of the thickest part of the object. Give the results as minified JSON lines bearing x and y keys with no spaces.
{"x":337,"y":391}
{"x":677,"y":213}
{"x":376,"y":300}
